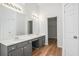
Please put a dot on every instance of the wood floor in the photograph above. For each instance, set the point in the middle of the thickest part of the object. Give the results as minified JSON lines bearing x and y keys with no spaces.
{"x":49,"y":50}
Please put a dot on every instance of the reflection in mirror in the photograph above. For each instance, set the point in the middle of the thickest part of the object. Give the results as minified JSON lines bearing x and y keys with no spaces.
{"x":30,"y":27}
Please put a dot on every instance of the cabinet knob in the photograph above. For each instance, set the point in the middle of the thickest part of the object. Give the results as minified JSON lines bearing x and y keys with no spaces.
{"x":13,"y":48}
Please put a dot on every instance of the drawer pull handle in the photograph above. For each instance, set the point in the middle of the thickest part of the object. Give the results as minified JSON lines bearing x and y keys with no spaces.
{"x":13,"y":48}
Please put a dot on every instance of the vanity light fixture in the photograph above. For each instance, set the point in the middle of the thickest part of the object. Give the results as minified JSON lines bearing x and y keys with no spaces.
{"x":13,"y":6}
{"x":35,"y":16}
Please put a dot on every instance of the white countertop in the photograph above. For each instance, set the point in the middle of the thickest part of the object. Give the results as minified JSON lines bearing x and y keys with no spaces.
{"x":21,"y":38}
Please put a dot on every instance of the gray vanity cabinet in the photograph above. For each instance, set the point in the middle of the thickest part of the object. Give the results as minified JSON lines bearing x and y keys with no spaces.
{"x":18,"y":49}
{"x":12,"y":53}
{"x":28,"y":50}
{"x":41,"y":41}
{"x":23,"y":48}
{"x":17,"y":52}
{"x":8,"y":50}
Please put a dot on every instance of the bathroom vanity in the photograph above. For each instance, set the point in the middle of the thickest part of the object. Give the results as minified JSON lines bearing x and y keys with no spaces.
{"x":18,"y":49}
{"x":21,"y":46}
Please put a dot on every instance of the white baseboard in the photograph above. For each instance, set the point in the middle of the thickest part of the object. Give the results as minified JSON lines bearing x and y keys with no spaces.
{"x":54,"y":37}
{"x":59,"y":46}
{"x":46,"y":43}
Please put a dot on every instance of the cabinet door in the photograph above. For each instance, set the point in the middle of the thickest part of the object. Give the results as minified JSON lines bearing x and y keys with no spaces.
{"x":13,"y":53}
{"x":28,"y":50}
{"x":40,"y":42}
{"x":43,"y":40}
{"x":19,"y":52}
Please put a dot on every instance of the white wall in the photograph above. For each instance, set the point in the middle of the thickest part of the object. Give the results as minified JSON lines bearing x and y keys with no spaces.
{"x":51,"y":10}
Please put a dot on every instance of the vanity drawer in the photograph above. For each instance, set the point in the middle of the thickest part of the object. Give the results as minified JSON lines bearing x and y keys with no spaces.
{"x":26,"y":42}
{"x":22,"y":44}
{"x":12,"y":47}
{"x":35,"y":39}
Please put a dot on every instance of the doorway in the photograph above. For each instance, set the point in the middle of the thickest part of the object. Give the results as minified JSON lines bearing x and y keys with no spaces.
{"x":52,"y":30}
{"x":52,"y":37}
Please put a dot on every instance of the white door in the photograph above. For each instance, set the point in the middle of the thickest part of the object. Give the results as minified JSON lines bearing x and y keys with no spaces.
{"x":71,"y":29}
